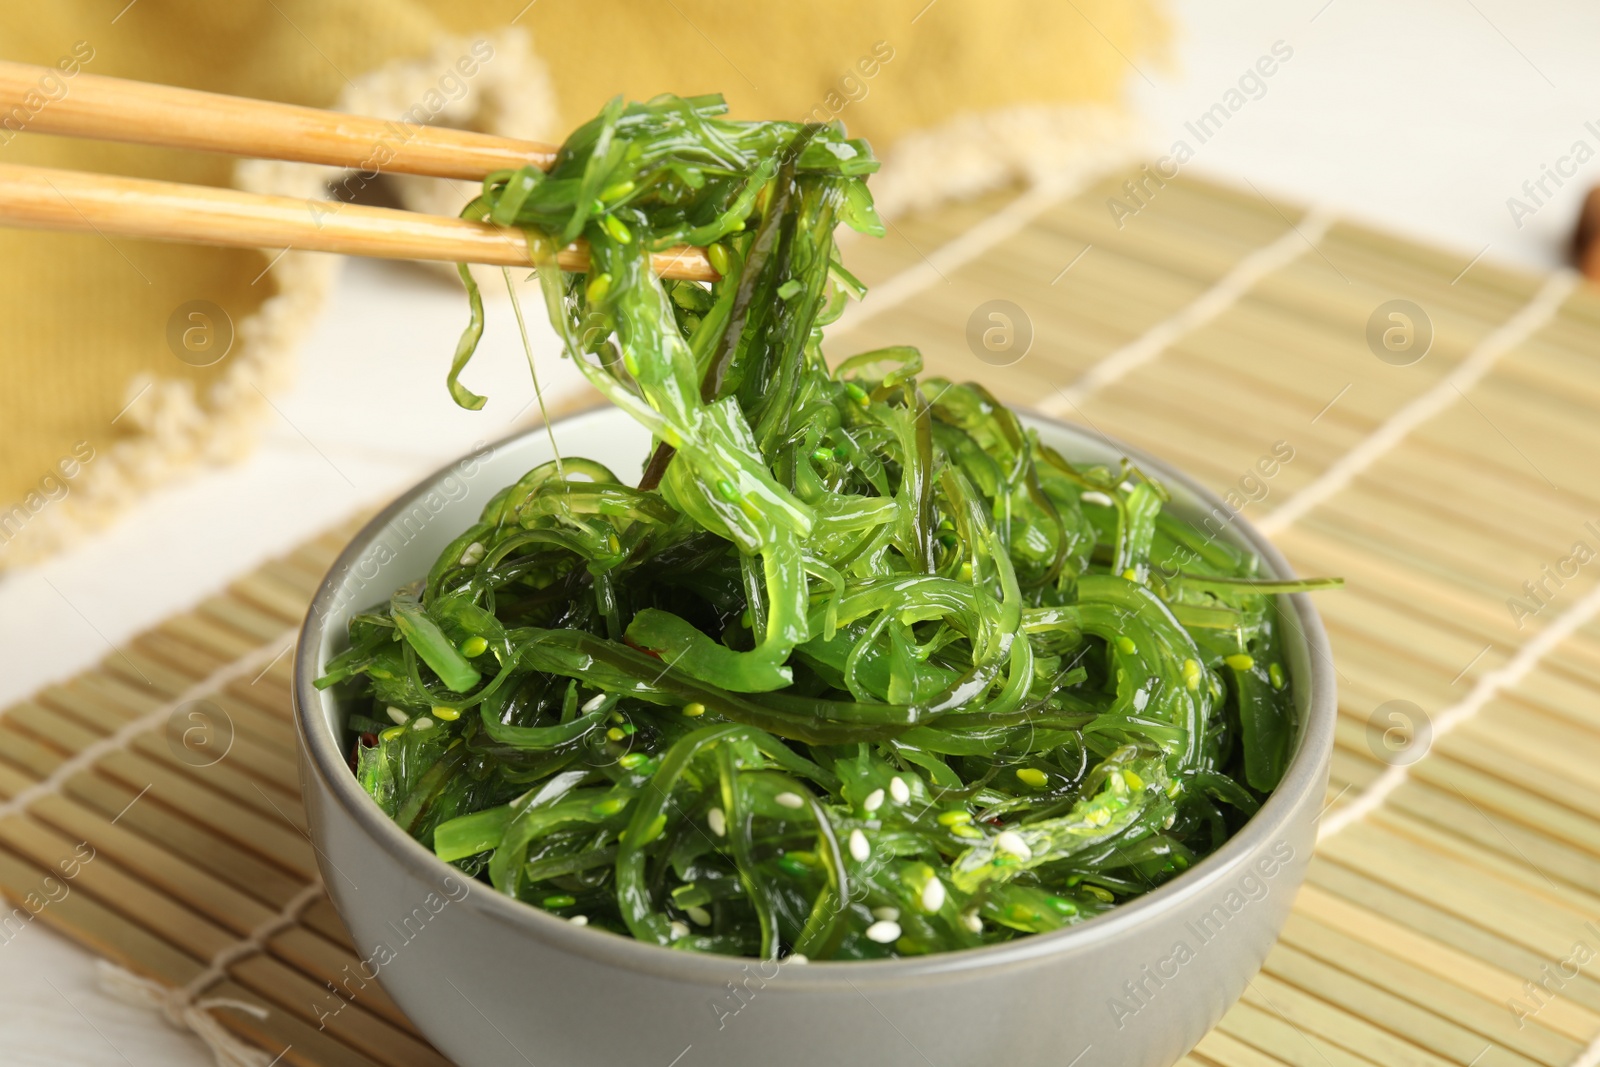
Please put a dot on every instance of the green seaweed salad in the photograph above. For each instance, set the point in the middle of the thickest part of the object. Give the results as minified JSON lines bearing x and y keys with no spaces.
{"x":860,"y":668}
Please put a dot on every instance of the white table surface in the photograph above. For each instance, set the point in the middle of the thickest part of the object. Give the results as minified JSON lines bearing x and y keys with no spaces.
{"x":1423,"y":117}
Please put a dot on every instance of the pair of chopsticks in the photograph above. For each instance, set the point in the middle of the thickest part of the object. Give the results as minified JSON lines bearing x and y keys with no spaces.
{"x":115,"y":109}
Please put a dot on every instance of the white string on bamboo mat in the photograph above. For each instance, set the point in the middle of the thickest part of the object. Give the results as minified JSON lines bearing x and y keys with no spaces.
{"x":1468,"y":373}
{"x":1486,"y":689}
{"x":959,"y":251}
{"x":87,"y":756}
{"x":1228,"y":291}
{"x":187,"y":1007}
{"x":1590,"y":1056}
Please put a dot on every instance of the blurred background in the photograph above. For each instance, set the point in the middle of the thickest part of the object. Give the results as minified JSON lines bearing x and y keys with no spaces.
{"x":137,"y":475}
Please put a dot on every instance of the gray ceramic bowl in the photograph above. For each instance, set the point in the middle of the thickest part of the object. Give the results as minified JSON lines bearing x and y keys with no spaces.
{"x":493,"y":981}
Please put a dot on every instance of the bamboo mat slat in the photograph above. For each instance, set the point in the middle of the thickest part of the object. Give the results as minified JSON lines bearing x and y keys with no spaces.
{"x":1443,"y":895}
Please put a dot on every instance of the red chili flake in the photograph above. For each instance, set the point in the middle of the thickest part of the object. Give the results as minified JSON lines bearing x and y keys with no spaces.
{"x":647,"y":651}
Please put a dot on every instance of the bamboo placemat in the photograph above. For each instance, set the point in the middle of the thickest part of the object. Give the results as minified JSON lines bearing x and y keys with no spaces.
{"x":1452,"y":913}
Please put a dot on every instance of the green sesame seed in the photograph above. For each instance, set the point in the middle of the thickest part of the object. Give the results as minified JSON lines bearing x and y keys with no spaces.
{"x":598,"y":287}
{"x":1275,"y":673}
{"x":727,"y":491}
{"x":718,"y":254}
{"x":447,"y":714}
{"x":1126,"y":644}
{"x":694,"y":710}
{"x":617,"y":228}
{"x":1033,"y":777}
{"x":474,"y":646}
{"x":1191,"y":675}
{"x":1240,"y":661}
{"x":615,"y":733}
{"x":954,"y":817}
{"x":559,"y":900}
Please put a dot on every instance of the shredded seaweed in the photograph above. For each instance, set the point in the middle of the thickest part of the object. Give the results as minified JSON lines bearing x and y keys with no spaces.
{"x":860,"y":668}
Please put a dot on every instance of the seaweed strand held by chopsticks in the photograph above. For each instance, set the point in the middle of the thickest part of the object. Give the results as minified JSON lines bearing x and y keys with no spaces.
{"x":859,"y":668}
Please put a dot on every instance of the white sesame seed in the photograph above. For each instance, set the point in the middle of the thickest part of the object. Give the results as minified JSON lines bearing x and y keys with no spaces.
{"x":678,"y":929}
{"x":884,"y":932}
{"x":886,"y":914}
{"x":422,"y":722}
{"x":579,"y":920}
{"x":472,"y":554}
{"x":717,"y":821}
{"x":899,"y":790}
{"x":594,"y":702}
{"x":400,"y":718}
{"x":1126,"y":487}
{"x":970,"y":920}
{"x":1011,"y":842}
{"x":1096,"y":498}
{"x":933,"y":895}
{"x":860,"y":849}
{"x":873,"y":802}
{"x":790,"y":800}
{"x":796,"y":957}
{"x":698,"y":915}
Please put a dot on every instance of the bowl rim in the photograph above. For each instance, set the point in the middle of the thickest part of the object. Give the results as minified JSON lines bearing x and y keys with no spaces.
{"x":322,"y":756}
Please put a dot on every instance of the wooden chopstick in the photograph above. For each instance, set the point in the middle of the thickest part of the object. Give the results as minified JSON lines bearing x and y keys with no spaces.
{"x":113,"y":206}
{"x":117,"y":109}
{"x":142,"y":113}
